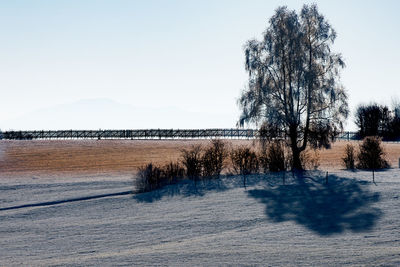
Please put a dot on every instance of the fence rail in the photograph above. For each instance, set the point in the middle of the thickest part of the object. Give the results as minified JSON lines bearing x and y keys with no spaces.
{"x":143,"y":134}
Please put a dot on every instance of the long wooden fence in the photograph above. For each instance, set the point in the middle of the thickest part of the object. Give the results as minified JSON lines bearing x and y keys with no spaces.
{"x":143,"y":134}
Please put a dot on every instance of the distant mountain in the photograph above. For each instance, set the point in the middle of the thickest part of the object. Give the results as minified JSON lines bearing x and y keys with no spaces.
{"x":108,"y":114}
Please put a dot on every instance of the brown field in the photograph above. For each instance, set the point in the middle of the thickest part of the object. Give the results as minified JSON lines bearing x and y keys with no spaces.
{"x":92,"y":157}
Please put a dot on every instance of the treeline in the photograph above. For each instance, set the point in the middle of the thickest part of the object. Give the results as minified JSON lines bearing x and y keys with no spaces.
{"x":378,"y":120}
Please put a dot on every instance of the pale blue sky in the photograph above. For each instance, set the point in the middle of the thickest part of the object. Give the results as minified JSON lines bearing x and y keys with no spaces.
{"x":186,"y":55}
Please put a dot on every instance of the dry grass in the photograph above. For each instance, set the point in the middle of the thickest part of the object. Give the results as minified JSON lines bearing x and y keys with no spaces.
{"x":122,"y":156}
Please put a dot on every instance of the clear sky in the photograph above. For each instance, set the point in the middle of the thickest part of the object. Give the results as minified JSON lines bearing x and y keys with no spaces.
{"x":186,"y":55}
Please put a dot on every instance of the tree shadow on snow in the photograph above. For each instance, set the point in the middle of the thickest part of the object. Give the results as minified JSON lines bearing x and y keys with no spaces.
{"x":342,"y":204}
{"x":184,"y":188}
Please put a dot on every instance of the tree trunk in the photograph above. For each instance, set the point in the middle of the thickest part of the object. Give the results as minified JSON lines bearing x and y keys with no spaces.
{"x":295,"y":149}
{"x":296,"y":158}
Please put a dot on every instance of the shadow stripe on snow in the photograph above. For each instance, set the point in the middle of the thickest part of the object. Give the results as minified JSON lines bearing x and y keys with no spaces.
{"x":56,"y":202}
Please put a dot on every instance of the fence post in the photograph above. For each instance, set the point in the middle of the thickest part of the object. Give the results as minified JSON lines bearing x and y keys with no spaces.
{"x":373,"y":175}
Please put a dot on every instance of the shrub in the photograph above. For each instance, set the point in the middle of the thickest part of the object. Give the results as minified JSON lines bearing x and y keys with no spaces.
{"x":310,"y":159}
{"x":371,"y":154}
{"x":275,"y":157}
{"x":192,"y":161}
{"x":244,"y":160}
{"x":213,"y":159}
{"x":349,"y":157}
{"x":149,"y":178}
{"x":173,"y":172}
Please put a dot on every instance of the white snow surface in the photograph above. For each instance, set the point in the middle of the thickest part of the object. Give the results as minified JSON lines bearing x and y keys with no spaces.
{"x":349,"y":221}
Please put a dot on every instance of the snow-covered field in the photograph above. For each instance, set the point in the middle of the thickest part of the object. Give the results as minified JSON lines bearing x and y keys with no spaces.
{"x":350,"y":220}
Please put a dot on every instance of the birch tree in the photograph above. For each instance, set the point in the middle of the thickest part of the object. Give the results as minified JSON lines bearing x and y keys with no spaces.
{"x":294,"y":79}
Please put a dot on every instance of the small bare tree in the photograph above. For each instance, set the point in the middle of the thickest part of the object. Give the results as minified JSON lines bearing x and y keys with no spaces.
{"x":213,"y":158}
{"x":349,"y":157}
{"x":192,"y":161}
{"x":244,"y":161}
{"x":276,"y":156}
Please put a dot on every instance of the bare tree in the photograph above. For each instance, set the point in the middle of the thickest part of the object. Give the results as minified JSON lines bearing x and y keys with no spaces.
{"x":294,"y":78}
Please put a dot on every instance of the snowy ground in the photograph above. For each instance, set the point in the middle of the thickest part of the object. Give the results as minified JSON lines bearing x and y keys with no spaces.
{"x":304,"y":222}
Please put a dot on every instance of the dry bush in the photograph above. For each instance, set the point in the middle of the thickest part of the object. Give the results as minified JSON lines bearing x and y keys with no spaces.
{"x":273,"y":157}
{"x":310,"y":159}
{"x":244,"y":160}
{"x":371,"y":154}
{"x":173,"y":172}
{"x":192,"y":161}
{"x":213,"y":159}
{"x":276,"y":157}
{"x":349,"y":157}
{"x":149,"y":178}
